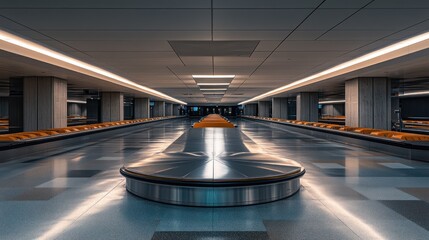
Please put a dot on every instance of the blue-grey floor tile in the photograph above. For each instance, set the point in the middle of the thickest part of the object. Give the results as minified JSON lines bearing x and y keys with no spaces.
{"x":254,"y":235}
{"x":314,"y":229}
{"x":415,"y":211}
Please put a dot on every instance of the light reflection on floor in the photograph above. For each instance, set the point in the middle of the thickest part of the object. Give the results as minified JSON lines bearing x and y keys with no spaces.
{"x":347,"y":193}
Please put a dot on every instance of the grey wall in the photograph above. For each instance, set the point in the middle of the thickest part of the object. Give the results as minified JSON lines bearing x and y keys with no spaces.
{"x":251,"y":109}
{"x":159,"y":109}
{"x":368,"y":103}
{"x":264,"y":108}
{"x":4,"y":107}
{"x":168,"y":109}
{"x":333,"y":109}
{"x":415,"y":107}
{"x":307,"y":106}
{"x":45,"y":103}
{"x":176,"y":109}
{"x":76,"y":109}
{"x":16,"y":105}
{"x":280,"y":108}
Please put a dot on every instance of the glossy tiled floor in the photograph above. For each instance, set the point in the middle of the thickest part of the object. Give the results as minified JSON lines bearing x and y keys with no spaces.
{"x":347,"y":193}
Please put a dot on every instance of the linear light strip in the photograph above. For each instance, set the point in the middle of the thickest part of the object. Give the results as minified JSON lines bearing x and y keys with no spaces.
{"x":414,"y":93}
{"x":333,"y":101}
{"x":213,"y":84}
{"x":213,"y":76}
{"x":34,"y":47}
{"x":338,"y":69}
{"x":213,"y":89}
{"x":76,"y":101}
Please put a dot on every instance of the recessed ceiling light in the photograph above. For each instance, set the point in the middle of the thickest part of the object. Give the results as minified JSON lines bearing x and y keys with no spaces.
{"x":17,"y":45}
{"x":213,"y":84}
{"x":399,"y":49}
{"x":213,"y":89}
{"x":213,"y":76}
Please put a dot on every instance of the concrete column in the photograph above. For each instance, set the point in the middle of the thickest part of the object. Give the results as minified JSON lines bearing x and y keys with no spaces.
{"x":141,"y":108}
{"x":168,"y":109}
{"x":368,"y":103}
{"x":159,"y":109}
{"x":280,"y":108}
{"x":251,"y":109}
{"x":176,"y":109}
{"x":112,"y":106}
{"x":45,"y":103}
{"x":307,"y":106}
{"x":264,"y":108}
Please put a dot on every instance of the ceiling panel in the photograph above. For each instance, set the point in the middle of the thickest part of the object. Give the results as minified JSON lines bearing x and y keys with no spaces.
{"x":320,"y":46}
{"x":258,"y":19}
{"x":345,"y":3}
{"x":105,"y":4}
{"x":124,"y":35}
{"x":325,"y":19}
{"x":384,"y":19}
{"x":266,"y":3}
{"x":399,"y":4}
{"x":249,"y":35}
{"x":107,"y":19}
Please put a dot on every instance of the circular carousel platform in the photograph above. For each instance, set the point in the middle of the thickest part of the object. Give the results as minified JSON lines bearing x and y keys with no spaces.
{"x":213,"y":178}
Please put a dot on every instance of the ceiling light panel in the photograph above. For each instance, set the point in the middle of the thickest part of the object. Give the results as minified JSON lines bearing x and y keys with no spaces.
{"x":213,"y":76}
{"x":213,"y":84}
{"x":213,"y":89}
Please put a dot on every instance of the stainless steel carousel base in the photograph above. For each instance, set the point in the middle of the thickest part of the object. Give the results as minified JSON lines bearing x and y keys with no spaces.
{"x":213,"y":168}
{"x":213,"y":196}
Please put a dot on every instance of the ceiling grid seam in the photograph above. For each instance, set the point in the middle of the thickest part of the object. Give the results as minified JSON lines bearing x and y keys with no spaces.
{"x":272,"y":52}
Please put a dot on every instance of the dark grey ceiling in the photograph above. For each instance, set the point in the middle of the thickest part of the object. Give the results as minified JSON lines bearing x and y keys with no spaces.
{"x":295,"y":38}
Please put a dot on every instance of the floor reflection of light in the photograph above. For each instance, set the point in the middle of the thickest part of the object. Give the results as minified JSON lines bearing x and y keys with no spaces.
{"x":77,"y":213}
{"x":354,"y":222}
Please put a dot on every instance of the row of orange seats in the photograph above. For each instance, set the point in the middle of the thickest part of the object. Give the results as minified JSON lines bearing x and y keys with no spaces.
{"x":334,"y":118}
{"x":56,"y":131}
{"x":4,"y":124}
{"x":213,"y":120}
{"x":369,"y":131}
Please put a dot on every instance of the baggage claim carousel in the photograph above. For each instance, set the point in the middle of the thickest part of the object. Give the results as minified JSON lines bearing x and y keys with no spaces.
{"x":213,"y":167}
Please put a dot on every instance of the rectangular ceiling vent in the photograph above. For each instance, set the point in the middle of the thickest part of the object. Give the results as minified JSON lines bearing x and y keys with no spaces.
{"x":214,"y":48}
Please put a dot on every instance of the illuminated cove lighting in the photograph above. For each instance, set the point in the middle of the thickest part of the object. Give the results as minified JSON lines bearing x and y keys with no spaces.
{"x":14,"y":44}
{"x":402,"y":48}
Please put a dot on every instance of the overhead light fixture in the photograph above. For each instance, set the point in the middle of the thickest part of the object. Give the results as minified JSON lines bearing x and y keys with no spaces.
{"x":17,"y":45}
{"x":332,"y":101}
{"x":213,"y":93}
{"x":402,"y":48}
{"x":76,"y":101}
{"x":414,"y":93}
{"x":213,"y":89}
{"x":212,"y":84}
{"x":213,"y":76}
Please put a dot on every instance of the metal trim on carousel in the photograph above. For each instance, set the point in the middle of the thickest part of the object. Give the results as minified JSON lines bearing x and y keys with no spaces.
{"x":212,"y":196}
{"x":213,"y":167}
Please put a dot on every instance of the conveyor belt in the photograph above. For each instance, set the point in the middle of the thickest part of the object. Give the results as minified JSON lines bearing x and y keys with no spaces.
{"x":213,"y":167}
